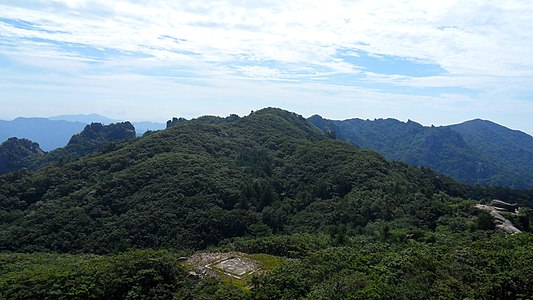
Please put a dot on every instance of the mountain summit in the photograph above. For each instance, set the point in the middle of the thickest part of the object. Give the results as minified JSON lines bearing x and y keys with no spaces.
{"x":476,"y":152}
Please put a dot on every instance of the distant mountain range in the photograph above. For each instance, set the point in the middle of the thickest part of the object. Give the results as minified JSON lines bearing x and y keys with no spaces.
{"x":49,"y":134}
{"x":476,"y":151}
{"x":331,"y":221}
{"x":55,"y":132}
{"x":16,"y":154}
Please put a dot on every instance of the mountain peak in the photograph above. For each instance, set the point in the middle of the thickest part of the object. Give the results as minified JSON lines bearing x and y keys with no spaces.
{"x":18,"y":153}
{"x":84,"y":118}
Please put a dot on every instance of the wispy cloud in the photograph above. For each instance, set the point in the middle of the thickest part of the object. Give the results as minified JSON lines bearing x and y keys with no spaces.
{"x":465,"y":50}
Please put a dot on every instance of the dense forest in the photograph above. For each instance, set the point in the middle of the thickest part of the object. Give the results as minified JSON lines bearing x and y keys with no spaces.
{"x":476,"y":152}
{"x":16,"y":154}
{"x":346,"y":223}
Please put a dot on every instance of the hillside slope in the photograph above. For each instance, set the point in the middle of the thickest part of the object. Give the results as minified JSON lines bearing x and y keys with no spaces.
{"x":476,"y":152}
{"x":361,"y":227}
{"x":510,"y":150}
{"x":203,"y":181}
{"x":16,"y":154}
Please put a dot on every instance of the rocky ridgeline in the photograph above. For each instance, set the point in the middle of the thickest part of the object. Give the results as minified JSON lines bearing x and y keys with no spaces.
{"x":496,"y":208}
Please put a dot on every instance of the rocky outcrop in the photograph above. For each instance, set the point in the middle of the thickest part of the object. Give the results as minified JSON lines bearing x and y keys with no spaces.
{"x":175,"y":121}
{"x":496,"y":208}
{"x":504,"y":206}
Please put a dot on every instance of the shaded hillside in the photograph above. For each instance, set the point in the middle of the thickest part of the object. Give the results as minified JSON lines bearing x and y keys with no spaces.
{"x":21,"y":153}
{"x":17,"y":153}
{"x":510,"y":150}
{"x":49,"y":134}
{"x":476,"y":152}
{"x":361,"y":227}
{"x":94,"y":137}
{"x":202,"y":181}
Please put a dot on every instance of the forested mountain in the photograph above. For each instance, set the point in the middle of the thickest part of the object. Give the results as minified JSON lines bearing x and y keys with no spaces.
{"x":17,"y":154}
{"x":356,"y":225}
{"x":55,"y":132}
{"x":511,"y":151}
{"x":476,"y":152}
{"x":140,"y":126}
{"x":49,"y":134}
{"x":94,"y":137}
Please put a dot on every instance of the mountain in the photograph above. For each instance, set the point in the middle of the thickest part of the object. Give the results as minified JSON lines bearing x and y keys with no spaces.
{"x":216,"y":178}
{"x":346,"y":222}
{"x":55,"y":132}
{"x":49,"y":134}
{"x":140,"y":126}
{"x":510,"y":150}
{"x":143,"y":126}
{"x":17,"y":153}
{"x":94,"y":137}
{"x":87,"y":119}
{"x":476,"y":152}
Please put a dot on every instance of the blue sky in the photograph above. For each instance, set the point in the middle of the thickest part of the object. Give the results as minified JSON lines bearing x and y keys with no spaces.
{"x":433,"y":62}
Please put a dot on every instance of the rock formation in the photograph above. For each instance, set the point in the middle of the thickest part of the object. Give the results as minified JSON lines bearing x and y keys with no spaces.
{"x":495,"y":209}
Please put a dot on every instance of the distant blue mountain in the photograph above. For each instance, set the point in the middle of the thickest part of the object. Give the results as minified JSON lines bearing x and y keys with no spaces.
{"x":55,"y":132}
{"x":140,"y":127}
{"x":87,"y":119}
{"x":49,"y":134}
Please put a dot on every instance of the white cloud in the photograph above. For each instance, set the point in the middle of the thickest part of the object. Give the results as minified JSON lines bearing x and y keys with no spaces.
{"x":483,"y":45}
{"x":465,"y":37}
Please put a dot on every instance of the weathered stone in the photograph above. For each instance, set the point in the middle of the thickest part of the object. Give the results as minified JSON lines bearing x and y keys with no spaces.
{"x":498,"y":204}
{"x":500,"y":221}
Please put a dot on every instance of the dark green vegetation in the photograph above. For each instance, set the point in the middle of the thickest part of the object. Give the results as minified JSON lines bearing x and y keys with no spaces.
{"x":55,"y":132}
{"x":18,"y":154}
{"x":94,"y":137}
{"x":354,"y":224}
{"x":476,"y":152}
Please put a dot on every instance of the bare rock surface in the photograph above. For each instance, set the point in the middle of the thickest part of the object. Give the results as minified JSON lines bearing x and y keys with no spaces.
{"x":501,"y":222}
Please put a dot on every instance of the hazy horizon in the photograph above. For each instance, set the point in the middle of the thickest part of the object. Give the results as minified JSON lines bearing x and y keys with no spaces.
{"x":55,"y":117}
{"x":434,"y":63}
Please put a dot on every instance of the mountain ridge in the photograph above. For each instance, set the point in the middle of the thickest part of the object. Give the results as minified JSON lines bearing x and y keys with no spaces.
{"x":268,"y":183}
{"x":475,"y":151}
{"x":55,"y":132}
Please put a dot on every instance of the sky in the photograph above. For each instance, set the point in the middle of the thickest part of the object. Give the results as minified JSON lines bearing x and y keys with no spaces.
{"x":434,"y":62}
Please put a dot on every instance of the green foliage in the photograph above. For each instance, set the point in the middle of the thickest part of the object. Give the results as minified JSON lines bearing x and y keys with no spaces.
{"x":16,"y":154}
{"x":477,"y":151}
{"x":205,"y":181}
{"x":292,"y":246}
{"x":95,"y":137}
{"x":353,"y":224}
{"x":484,"y":221}
{"x":494,"y":269}
{"x":131,"y":275}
